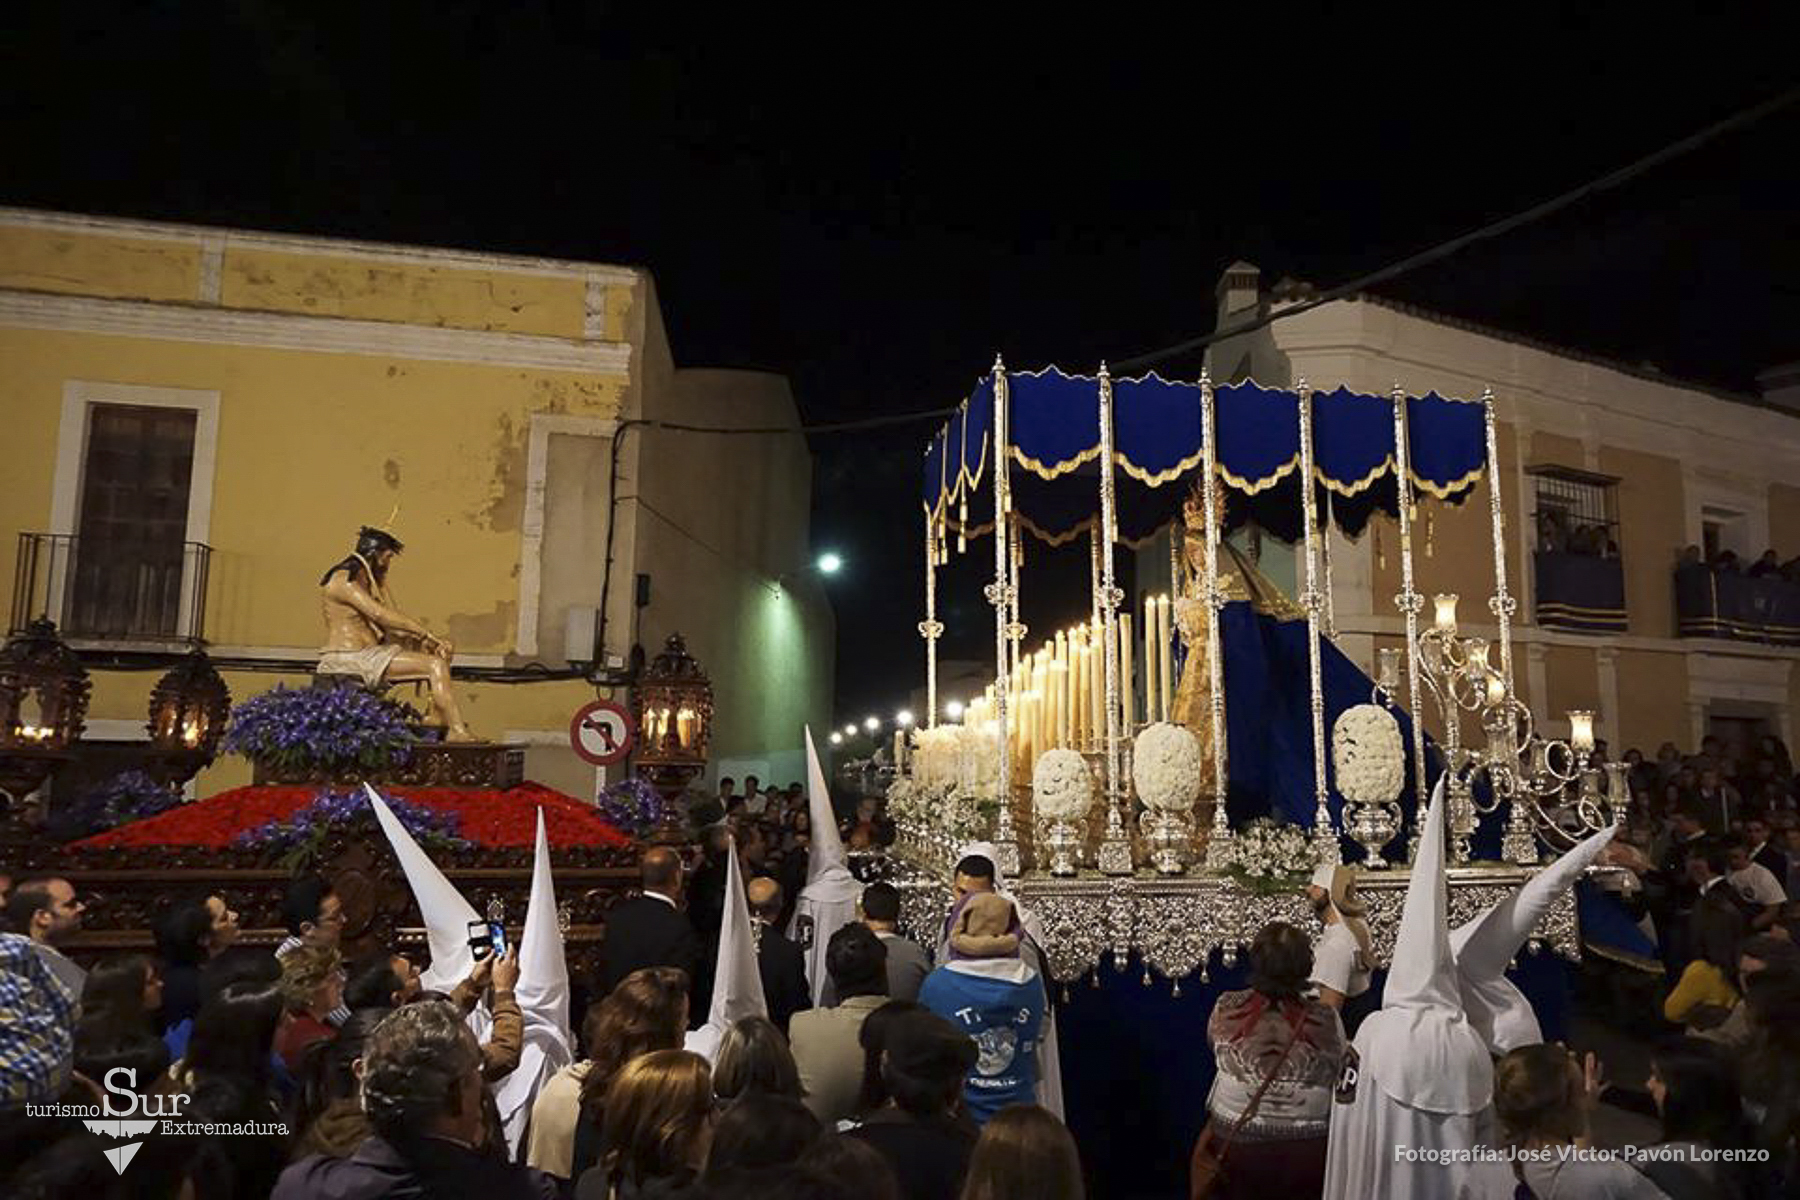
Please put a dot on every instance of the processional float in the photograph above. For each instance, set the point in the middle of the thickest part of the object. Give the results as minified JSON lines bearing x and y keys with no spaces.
{"x":1053,"y":457}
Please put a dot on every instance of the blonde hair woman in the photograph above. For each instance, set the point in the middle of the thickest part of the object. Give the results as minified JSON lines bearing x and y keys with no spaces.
{"x":312,"y":986}
{"x":658,"y":1129}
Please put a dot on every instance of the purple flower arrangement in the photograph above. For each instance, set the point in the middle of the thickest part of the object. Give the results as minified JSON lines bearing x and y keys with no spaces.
{"x":633,"y":807}
{"x":300,"y":729}
{"x":301,"y":837}
{"x":127,"y":796}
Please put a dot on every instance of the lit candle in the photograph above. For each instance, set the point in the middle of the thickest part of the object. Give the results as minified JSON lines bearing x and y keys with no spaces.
{"x":1165,"y":641}
{"x":1496,"y":688}
{"x":1445,"y":604}
{"x":1151,"y":659}
{"x":1060,"y":685}
{"x":1097,"y":683}
{"x":1127,"y":706}
{"x":1581,"y":730}
{"x":686,"y":720}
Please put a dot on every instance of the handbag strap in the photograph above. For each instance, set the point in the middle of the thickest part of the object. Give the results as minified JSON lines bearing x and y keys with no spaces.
{"x":1256,"y":1097}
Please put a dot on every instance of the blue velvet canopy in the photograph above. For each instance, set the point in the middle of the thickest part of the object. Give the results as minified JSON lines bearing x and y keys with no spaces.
{"x":1054,"y":430}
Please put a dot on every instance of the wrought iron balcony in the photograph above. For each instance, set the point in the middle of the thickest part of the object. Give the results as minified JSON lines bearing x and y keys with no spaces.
{"x":1739,"y":608}
{"x":1583,"y":593}
{"x":113,"y":592}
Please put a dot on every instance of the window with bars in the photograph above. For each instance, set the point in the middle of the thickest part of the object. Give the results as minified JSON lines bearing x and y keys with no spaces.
{"x":130,"y":559}
{"x":1575,"y":511}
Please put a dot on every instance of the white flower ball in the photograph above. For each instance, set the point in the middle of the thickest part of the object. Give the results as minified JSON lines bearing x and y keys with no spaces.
{"x":1062,"y":787}
{"x":1367,"y":755}
{"x":1165,"y":767}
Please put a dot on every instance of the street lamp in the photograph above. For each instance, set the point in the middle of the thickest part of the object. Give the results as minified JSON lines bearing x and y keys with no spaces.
{"x":837,"y":739}
{"x":872,"y":724}
{"x":903,"y":718}
{"x":830,"y":563}
{"x":954,"y":710}
{"x":850,"y":730}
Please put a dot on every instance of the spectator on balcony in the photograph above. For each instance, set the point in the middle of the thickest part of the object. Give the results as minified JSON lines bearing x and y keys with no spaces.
{"x":1553,"y":532}
{"x":1768,"y":565}
{"x":1725,"y":562}
{"x":1690,"y":557}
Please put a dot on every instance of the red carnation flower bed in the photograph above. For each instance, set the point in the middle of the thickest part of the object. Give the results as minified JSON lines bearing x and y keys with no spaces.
{"x":490,"y":818}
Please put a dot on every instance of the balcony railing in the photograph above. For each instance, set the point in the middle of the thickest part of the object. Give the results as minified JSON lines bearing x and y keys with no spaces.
{"x":1584,"y":593}
{"x":111,"y":591}
{"x":1724,"y":604}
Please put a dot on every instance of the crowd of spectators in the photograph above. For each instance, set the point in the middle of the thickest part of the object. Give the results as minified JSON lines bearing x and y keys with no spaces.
{"x":1710,"y":851}
{"x":339,"y":1077}
{"x":1727,"y":562}
{"x":1558,"y":534}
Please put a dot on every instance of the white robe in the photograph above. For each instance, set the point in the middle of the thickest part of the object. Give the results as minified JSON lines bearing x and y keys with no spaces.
{"x":1365,"y":1158}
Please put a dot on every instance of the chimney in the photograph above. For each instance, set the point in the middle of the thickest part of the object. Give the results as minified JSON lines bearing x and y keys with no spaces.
{"x":1239,"y":290}
{"x":1780,"y":386}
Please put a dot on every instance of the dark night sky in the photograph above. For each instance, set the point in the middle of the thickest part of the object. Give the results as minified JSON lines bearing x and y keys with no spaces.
{"x":876,"y":199}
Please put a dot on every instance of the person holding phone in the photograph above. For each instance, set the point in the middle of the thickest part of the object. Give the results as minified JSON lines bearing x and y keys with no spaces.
{"x":496,"y":976}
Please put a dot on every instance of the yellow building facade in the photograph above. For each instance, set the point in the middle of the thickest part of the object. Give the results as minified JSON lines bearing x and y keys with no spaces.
{"x":254,"y":399}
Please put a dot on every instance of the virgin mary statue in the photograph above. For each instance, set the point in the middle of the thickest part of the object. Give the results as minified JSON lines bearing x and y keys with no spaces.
{"x":1268,"y":696}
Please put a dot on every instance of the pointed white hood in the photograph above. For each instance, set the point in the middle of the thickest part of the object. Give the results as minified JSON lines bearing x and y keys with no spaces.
{"x":828,"y":901}
{"x":1485,"y":945}
{"x":445,"y":912}
{"x":1419,"y":1049}
{"x":825,"y":854}
{"x":737,"y":981}
{"x":543,"y":996}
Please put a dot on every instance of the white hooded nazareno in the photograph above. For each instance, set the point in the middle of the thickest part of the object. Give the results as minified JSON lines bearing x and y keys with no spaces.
{"x":1484,"y":946}
{"x":737,"y":983}
{"x":543,"y":996}
{"x":828,"y":901}
{"x":1419,"y":1075}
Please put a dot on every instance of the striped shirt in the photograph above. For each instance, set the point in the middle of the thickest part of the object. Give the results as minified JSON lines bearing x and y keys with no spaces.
{"x":37,"y":1026}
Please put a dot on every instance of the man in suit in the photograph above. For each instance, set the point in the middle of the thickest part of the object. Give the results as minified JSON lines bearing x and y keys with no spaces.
{"x":907,"y":962}
{"x":826,"y":1041}
{"x":1762,"y":849}
{"x":651,"y":931}
{"x":778,"y":960}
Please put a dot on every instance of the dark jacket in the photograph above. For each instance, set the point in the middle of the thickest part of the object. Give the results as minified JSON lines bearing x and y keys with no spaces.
{"x":1773,"y":860}
{"x":929,"y":1158}
{"x":593,"y":1186}
{"x":646,"y":931}
{"x":782,"y":966}
{"x":436,"y":1170}
{"x":181,"y":993}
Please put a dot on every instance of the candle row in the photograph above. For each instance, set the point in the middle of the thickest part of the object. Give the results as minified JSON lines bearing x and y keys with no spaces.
{"x":1057,"y":694}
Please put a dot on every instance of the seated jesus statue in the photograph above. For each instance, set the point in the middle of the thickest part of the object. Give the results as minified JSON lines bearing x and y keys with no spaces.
{"x":368,"y":638}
